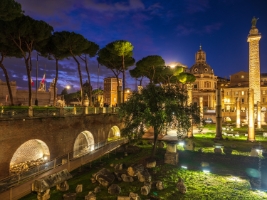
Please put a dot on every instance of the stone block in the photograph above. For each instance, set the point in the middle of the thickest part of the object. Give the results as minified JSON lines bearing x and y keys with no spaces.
{"x":171,"y":158}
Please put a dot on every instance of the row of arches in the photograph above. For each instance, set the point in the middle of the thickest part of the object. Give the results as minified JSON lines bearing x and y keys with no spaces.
{"x":35,"y":152}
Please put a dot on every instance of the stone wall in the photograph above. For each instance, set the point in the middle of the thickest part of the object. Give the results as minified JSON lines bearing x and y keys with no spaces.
{"x":58,"y":133}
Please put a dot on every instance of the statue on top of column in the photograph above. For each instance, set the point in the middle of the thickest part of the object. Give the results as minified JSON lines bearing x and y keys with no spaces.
{"x":254,"y":21}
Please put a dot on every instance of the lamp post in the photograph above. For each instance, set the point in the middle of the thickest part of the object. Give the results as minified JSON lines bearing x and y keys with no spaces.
{"x":67,"y":88}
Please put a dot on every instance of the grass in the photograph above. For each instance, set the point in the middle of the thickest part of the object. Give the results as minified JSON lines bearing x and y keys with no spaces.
{"x":200,"y":185}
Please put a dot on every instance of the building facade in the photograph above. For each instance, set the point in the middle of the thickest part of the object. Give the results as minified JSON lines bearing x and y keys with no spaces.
{"x":20,"y":97}
{"x":206,"y":82}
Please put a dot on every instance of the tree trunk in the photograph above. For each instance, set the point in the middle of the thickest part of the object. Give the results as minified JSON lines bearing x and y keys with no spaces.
{"x":80,"y":76}
{"x":156,"y":133}
{"x":55,"y":84}
{"x":123,"y":79}
{"x":28,"y":68}
{"x":8,"y":83}
{"x":89,"y":82}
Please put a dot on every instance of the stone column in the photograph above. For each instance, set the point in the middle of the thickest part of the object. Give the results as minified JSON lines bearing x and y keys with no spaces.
{"x":254,"y":62}
{"x":189,"y":102}
{"x":201,"y":109}
{"x":212,"y":101}
{"x":258,"y":115}
{"x":251,"y":131}
{"x":218,"y":114}
{"x":237,"y":112}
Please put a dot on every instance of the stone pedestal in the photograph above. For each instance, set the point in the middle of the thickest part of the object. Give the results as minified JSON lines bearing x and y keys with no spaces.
{"x":171,"y":155}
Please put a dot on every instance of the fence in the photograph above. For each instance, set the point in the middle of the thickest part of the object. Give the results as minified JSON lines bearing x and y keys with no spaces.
{"x":68,"y":160}
{"x":17,"y":112}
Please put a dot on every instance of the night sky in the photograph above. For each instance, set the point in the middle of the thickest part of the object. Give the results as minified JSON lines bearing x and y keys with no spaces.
{"x":173,"y":29}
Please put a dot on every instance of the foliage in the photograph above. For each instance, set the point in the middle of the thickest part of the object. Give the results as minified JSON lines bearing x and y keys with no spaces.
{"x":75,"y":44}
{"x":150,"y":67}
{"x":25,"y":33}
{"x":9,"y":10}
{"x":158,"y":107}
{"x":111,"y":57}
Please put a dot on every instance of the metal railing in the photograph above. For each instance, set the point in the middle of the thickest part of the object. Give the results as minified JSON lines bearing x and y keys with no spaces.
{"x":98,"y":151}
{"x":7,"y":112}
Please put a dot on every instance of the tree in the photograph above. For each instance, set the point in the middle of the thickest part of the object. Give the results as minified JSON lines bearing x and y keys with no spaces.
{"x":150,"y":67}
{"x":76,"y":45}
{"x":158,"y":107}
{"x":113,"y":62}
{"x":9,"y":10}
{"x":50,"y":49}
{"x":25,"y":32}
{"x":8,"y":50}
{"x":91,"y":51}
{"x":137,"y":73}
{"x":122,"y":49}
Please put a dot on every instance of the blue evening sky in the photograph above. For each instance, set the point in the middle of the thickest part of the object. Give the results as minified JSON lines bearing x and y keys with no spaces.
{"x":173,"y":29}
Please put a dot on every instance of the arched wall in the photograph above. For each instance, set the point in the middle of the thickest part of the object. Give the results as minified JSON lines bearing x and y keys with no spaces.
{"x":114,"y":132}
{"x":58,"y":133}
{"x":83,"y":144}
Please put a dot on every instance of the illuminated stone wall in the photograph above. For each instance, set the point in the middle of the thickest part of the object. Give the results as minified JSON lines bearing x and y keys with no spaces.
{"x":58,"y":133}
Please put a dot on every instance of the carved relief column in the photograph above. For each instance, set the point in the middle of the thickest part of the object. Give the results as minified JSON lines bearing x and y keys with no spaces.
{"x":254,"y":61}
{"x":251,"y":131}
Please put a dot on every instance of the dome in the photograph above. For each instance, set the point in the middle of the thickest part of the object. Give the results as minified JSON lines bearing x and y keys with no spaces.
{"x":201,"y":66}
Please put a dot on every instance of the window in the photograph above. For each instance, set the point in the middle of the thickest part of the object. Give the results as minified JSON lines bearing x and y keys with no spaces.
{"x":242,"y":92}
{"x":263,"y":91}
{"x":196,"y":69}
{"x":263,"y":100}
{"x":207,"y":84}
{"x":236,"y":93}
{"x":242,"y":100}
{"x":195,"y":86}
{"x":242,"y":76}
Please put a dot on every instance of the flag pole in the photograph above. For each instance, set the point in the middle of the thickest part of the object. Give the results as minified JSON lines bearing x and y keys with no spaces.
{"x":36,"y":93}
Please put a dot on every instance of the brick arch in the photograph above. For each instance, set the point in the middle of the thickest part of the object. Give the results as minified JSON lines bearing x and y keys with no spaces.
{"x":84,"y":143}
{"x":30,"y":150}
{"x":114,"y":132}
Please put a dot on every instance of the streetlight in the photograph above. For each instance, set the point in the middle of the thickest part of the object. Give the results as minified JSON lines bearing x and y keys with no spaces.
{"x":67,"y":88}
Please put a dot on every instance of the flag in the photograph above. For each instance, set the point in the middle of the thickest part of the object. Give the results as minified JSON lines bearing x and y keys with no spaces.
{"x":32,"y":82}
{"x":43,"y":80}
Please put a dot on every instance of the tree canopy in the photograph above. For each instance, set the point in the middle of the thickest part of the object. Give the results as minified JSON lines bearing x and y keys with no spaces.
{"x":108,"y":57}
{"x":150,"y":67}
{"x":25,"y":32}
{"x":9,"y":10}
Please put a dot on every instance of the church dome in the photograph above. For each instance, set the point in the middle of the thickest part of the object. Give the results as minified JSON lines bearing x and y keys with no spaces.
{"x":201,"y":66}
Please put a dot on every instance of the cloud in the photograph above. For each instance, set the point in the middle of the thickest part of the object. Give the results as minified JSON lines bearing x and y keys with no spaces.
{"x":183,"y":30}
{"x":130,"y":5}
{"x":194,"y":6}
